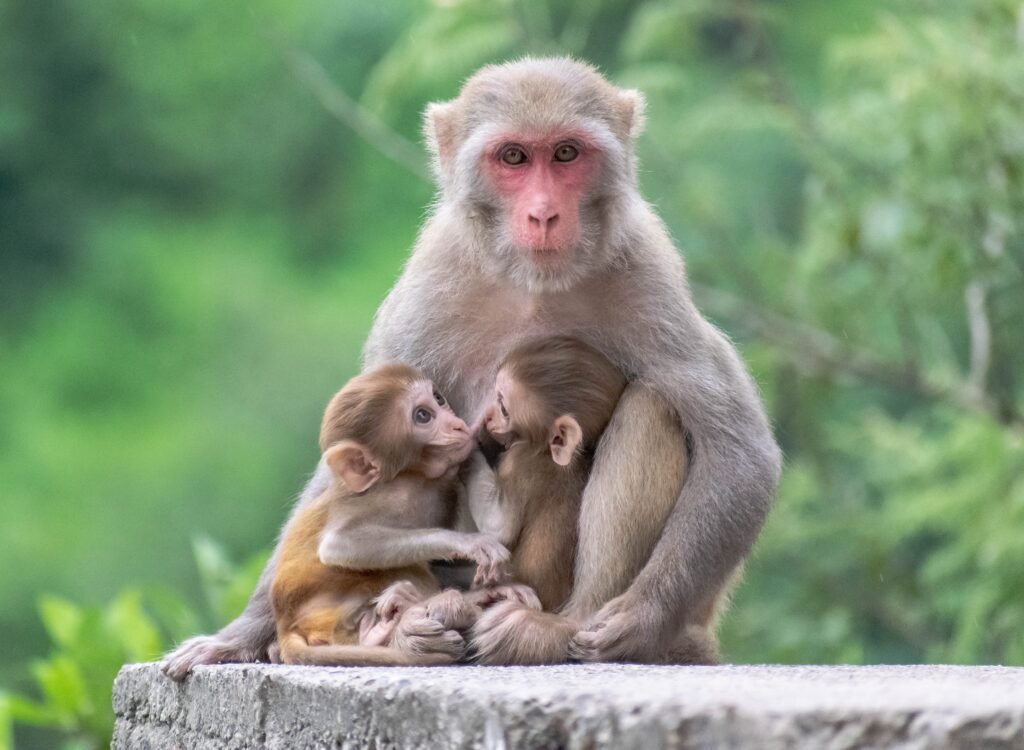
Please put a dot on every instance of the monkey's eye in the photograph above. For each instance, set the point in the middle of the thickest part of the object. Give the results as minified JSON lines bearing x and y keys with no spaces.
{"x":566,"y":152}
{"x":422,"y":416}
{"x":504,"y":411}
{"x":513,"y":156}
{"x":439,"y":399}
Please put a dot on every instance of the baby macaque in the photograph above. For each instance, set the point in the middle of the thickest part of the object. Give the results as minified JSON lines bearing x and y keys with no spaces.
{"x":553,"y":398}
{"x":352,"y":584}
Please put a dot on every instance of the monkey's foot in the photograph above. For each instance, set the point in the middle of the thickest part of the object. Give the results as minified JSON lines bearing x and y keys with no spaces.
{"x":452,"y":609}
{"x":395,"y":599}
{"x":511,"y":633}
{"x":694,"y":645}
{"x":418,"y":633}
{"x":622,"y":631}
{"x":204,"y":649}
{"x":509,"y":592}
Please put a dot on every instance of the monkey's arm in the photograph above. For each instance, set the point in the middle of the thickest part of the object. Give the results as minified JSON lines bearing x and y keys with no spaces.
{"x":715,"y":519}
{"x":503,"y":520}
{"x":375,"y":547}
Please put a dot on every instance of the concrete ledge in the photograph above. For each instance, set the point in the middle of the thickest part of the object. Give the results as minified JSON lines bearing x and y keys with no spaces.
{"x":572,"y":706}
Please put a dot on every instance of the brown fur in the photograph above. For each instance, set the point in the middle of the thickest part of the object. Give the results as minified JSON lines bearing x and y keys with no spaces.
{"x":653,"y":549}
{"x":319,"y":606}
{"x":561,"y":376}
{"x":324,"y":610}
{"x":365,"y":411}
{"x":548,"y":496}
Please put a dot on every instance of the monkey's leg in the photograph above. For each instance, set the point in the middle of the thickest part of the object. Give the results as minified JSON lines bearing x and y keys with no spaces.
{"x":295,"y":650}
{"x":418,"y":634}
{"x":511,"y":633}
{"x":695,"y":645}
{"x":697,"y":642}
{"x":639,"y":470}
{"x":248,"y":637}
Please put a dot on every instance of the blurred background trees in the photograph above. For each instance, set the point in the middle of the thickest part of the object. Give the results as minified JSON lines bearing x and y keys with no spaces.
{"x":202,"y":204}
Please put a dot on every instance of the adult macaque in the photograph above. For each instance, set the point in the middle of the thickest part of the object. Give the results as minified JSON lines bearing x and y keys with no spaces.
{"x":539,"y":229}
{"x":352,"y":584}
{"x":553,"y":398}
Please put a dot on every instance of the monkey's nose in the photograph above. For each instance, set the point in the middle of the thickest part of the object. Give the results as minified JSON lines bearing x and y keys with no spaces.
{"x":543,"y":219}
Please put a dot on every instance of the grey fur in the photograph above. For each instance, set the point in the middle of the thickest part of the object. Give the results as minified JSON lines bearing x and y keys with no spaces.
{"x":466,"y":298}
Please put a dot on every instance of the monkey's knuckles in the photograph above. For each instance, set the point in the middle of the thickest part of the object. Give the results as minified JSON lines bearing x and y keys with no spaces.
{"x":493,"y":565}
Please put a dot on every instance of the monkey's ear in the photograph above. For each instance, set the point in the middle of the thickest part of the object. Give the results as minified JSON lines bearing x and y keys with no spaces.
{"x":439,"y":130}
{"x":353,"y":465}
{"x":631,"y":106}
{"x":565,"y":437}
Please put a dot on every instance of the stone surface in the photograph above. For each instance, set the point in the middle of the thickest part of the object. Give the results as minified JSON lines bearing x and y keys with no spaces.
{"x":572,"y":706}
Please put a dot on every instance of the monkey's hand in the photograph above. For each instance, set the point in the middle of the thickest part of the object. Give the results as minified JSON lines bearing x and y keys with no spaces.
{"x":623,"y":630}
{"x":491,"y":558}
{"x":508,"y":592}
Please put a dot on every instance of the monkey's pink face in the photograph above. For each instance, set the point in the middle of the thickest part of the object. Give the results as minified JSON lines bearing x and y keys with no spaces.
{"x":541,"y":183}
{"x":445,"y":438}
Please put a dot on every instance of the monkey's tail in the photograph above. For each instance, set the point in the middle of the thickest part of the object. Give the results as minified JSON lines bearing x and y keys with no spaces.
{"x":295,"y":650}
{"x":512,"y":633}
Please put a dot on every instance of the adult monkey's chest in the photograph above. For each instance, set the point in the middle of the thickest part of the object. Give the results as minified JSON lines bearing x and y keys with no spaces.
{"x":485,"y":322}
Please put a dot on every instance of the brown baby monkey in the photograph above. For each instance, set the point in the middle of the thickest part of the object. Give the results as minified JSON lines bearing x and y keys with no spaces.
{"x":553,"y":398}
{"x":352,"y":585}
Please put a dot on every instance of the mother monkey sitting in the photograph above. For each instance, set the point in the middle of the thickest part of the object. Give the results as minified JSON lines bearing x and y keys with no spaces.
{"x":539,"y":229}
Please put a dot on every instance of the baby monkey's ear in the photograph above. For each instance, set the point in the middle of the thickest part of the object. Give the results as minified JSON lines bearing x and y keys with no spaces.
{"x":353,"y":465}
{"x":565,"y":437}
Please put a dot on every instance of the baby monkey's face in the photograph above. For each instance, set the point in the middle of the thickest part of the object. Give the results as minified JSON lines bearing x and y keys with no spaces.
{"x":505,"y":411}
{"x":516,"y":415}
{"x":445,"y":438}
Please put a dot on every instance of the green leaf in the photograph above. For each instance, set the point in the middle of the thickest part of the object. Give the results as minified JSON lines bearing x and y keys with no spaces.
{"x":175,"y":615}
{"x":25,"y":711}
{"x":61,"y":618}
{"x":215,"y":571}
{"x":6,"y":723}
{"x":132,"y":627}
{"x":238,"y":590}
{"x":64,"y":687}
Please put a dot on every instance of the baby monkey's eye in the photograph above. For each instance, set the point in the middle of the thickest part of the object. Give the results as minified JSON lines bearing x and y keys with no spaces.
{"x":504,"y":411}
{"x":439,"y":399}
{"x":422,"y":416}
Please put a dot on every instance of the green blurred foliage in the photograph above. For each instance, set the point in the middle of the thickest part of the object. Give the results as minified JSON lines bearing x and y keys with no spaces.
{"x":194,"y":237}
{"x":90,"y":643}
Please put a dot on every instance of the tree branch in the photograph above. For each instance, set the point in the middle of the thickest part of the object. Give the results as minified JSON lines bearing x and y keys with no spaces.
{"x":817,"y":352}
{"x":980,"y":330}
{"x":385,"y":140}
